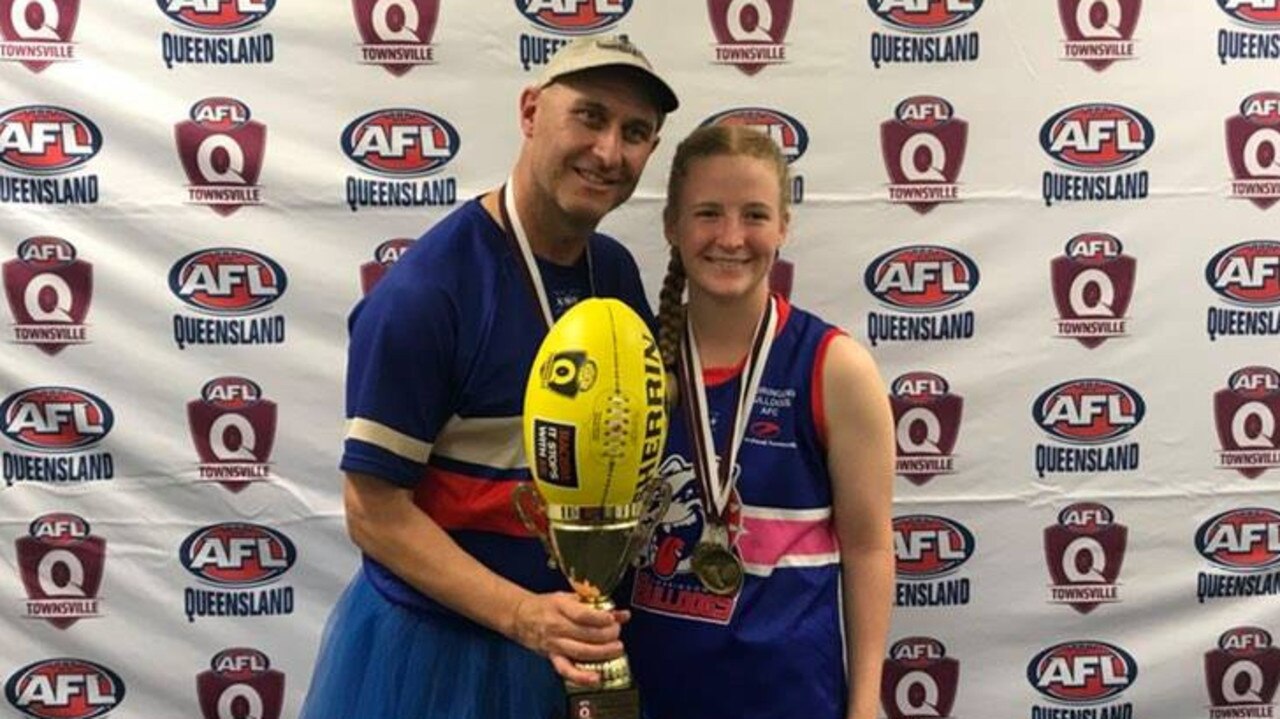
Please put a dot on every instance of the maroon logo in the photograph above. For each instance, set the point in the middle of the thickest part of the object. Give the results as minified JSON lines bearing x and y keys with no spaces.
{"x":387,"y":254}
{"x":919,"y":680}
{"x":49,"y":291}
{"x":750,"y":34}
{"x":1099,"y":32}
{"x":396,"y":34}
{"x":61,"y":566}
{"x":1092,"y":286}
{"x":1253,"y":149}
{"x":923,"y":148}
{"x":37,"y":33}
{"x":1242,"y":672}
{"x":240,"y":683}
{"x":1084,"y":552}
{"x":221,"y":151}
{"x":233,"y":428}
{"x":1245,"y":416}
{"x":926,"y":415}
{"x":64,"y":688}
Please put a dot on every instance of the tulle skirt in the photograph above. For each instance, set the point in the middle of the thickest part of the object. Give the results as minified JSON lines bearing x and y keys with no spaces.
{"x":379,"y":660}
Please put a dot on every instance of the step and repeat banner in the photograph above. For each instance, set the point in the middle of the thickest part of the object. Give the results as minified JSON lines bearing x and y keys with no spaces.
{"x":1052,"y":222}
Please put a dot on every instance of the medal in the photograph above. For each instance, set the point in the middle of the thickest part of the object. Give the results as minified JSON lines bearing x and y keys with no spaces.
{"x":519,"y":241}
{"x":718,"y":568}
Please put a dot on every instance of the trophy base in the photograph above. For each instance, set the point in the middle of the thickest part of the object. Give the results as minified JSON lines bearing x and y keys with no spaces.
{"x":604,"y":704}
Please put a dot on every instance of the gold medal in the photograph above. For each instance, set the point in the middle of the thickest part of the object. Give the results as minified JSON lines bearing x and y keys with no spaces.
{"x":717,"y":568}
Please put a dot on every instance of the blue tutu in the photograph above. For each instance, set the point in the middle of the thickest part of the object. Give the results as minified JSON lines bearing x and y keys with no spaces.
{"x":379,"y":660}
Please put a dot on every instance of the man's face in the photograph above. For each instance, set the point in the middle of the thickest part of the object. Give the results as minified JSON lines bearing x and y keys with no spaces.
{"x":588,"y":137}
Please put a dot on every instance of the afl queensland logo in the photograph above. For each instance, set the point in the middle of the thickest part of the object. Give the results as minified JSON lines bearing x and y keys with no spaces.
{"x":787,"y":132}
{"x":233,"y":288}
{"x":1098,"y":32}
{"x":1084,"y":552}
{"x":41,"y":142}
{"x":384,"y":256}
{"x":560,"y":21}
{"x":219,"y":32}
{"x":928,"y":549}
{"x":233,"y":428}
{"x":1246,"y":276}
{"x":1261,"y":38}
{"x":919,"y":679}
{"x":1241,"y":673}
{"x":240,"y":675}
{"x":923,"y":148}
{"x":1083,"y":673}
{"x":405,"y":146}
{"x":750,"y":34}
{"x":1253,"y":149}
{"x":60,"y":425}
{"x":922,"y":283}
{"x":61,"y":566}
{"x":1245,"y":415}
{"x":49,"y":291}
{"x":37,"y":33}
{"x":1092,"y":285}
{"x":926,"y":417}
{"x":221,"y":150}
{"x":1244,"y":543}
{"x":396,"y":34}
{"x":238,"y":559}
{"x":1100,"y":139}
{"x":64,"y":688}
{"x":1091,"y":415}
{"x":924,"y":31}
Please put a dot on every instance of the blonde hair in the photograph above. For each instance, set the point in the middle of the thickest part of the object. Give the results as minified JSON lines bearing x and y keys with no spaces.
{"x":709,"y":141}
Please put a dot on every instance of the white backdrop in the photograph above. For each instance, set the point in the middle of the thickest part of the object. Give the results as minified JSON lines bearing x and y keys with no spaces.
{"x":1088,"y":453}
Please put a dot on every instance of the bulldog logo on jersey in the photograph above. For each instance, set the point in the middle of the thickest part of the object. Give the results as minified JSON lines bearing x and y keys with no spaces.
{"x":1091,"y":416}
{"x":923,"y":148}
{"x":928,"y":549}
{"x":216,"y":32}
{"x":1098,"y":139}
{"x":396,"y":34}
{"x":233,"y":428}
{"x":1099,"y":32}
{"x":1253,"y":149}
{"x":49,"y":291}
{"x":919,"y":680}
{"x":1092,"y":285}
{"x":41,"y":142}
{"x":61,"y":563}
{"x":37,"y":33}
{"x":240,"y":676}
{"x":64,"y":688}
{"x":406,"y":146}
{"x":926,"y":31}
{"x":1245,"y":415}
{"x":1262,"y":39}
{"x":384,"y":256}
{"x":233,"y":288}
{"x":1247,"y":276}
{"x":1245,"y":544}
{"x":750,"y":34}
{"x":924,"y":284}
{"x":221,"y":150}
{"x":787,"y":132}
{"x":926,"y":415}
{"x":1084,"y":552}
{"x":240,"y":560}
{"x":1083,"y":673}
{"x":1241,"y":674}
{"x":56,"y":430}
{"x":564,"y":20}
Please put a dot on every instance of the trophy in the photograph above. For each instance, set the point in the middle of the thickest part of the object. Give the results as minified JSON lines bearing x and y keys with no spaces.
{"x":594,"y":430}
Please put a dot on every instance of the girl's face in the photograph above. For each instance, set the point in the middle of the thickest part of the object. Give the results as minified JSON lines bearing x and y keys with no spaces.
{"x":728,"y":225}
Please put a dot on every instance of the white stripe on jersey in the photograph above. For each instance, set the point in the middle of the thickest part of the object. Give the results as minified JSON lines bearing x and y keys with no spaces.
{"x":380,"y":435}
{"x":496,"y":442}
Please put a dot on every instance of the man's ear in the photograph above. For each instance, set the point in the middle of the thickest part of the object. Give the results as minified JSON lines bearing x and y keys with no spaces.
{"x":528,"y":109}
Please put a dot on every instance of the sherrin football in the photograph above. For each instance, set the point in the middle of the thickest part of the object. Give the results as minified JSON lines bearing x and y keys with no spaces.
{"x":595,"y":419}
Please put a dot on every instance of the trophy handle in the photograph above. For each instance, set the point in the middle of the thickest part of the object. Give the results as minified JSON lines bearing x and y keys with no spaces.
{"x":655,"y":500}
{"x":532,"y":511}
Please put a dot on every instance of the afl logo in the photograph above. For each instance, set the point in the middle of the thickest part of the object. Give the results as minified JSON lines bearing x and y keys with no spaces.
{"x":574,"y":17}
{"x":1247,"y":273}
{"x":1088,"y":411}
{"x":1097,"y":137}
{"x":227,"y":281}
{"x":400,"y":142}
{"x":243,"y":675}
{"x":925,"y":15}
{"x":46,"y":139}
{"x":1082,"y":672}
{"x":217,"y":16}
{"x":922,"y":278}
{"x":790,"y":136}
{"x":56,"y":419}
{"x":64,"y":688}
{"x":384,"y":256}
{"x":1241,"y":540}
{"x":237,"y":554}
{"x":1258,"y":13}
{"x":928,"y":546}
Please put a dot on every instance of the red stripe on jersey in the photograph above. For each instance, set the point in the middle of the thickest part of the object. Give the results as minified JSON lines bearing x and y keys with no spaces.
{"x":815,"y":382}
{"x":457,"y":501}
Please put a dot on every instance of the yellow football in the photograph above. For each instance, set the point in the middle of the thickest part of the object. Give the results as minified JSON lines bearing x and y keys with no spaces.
{"x":595,"y":419}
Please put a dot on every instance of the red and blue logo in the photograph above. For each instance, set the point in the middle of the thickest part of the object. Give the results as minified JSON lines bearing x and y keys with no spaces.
{"x":1247,"y":273}
{"x":46,"y":139}
{"x":1097,"y":137}
{"x":1246,"y":539}
{"x":64,"y":688}
{"x":921,"y":278}
{"x":228,"y":281}
{"x":1088,"y":411}
{"x":574,"y":17}
{"x":56,"y":419}
{"x":1082,"y":672}
{"x":928,"y":546}
{"x":222,"y":28}
{"x":933,"y":31}
{"x":1263,"y":14}
{"x":237,"y":555}
{"x":217,"y":16}
{"x":400,"y":142}
{"x":925,"y":15}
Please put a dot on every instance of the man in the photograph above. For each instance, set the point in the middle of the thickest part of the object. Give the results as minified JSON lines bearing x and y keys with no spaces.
{"x":456,"y":612}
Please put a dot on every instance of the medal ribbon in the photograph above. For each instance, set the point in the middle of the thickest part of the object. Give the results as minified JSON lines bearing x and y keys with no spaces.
{"x":524,"y":253}
{"x":714,"y":473}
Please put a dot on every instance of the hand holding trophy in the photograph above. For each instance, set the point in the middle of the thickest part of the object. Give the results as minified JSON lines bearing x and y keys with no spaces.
{"x":595,"y":426}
